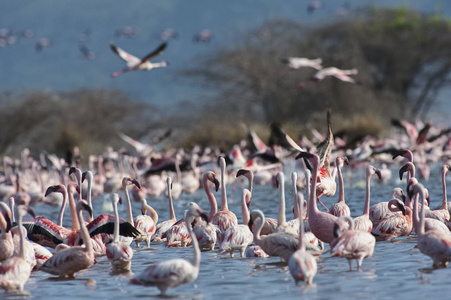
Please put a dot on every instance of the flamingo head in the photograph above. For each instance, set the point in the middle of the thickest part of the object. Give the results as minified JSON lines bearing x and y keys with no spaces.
{"x":404,"y":153}
{"x":407,"y":167}
{"x":54,"y":188}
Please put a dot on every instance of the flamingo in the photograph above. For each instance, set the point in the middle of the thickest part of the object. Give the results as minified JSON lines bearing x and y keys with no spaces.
{"x":162,"y":228}
{"x":320,"y":223}
{"x":343,"y":75}
{"x":134,"y":63}
{"x":280,"y":244}
{"x":126,"y":181}
{"x":363,"y":222}
{"x":300,"y":62}
{"x":380,"y":211}
{"x":352,"y":244}
{"x":302,"y":264}
{"x":30,"y":256}
{"x":178,"y":235}
{"x":255,"y":251}
{"x":119,"y":254}
{"x":174,"y":272}
{"x":6,"y":240}
{"x":15,"y":271}
{"x":340,"y":208}
{"x":238,"y":237}
{"x":397,"y":225}
{"x":282,"y":225}
{"x":270,"y":224}
{"x":433,"y":243}
{"x":224,"y":218}
{"x":443,"y":209}
{"x":67,"y":262}
{"x":145,"y":224}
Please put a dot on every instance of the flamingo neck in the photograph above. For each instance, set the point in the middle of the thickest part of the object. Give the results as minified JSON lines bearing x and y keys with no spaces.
{"x":129,"y":206}
{"x":257,"y":231}
{"x":341,"y":189}
{"x":250,"y":178}
{"x":415,"y":217}
{"x":171,"y":207}
{"x":211,"y":199}
{"x":3,"y":226}
{"x":445,"y":198}
{"x":89,"y":192}
{"x":22,"y":238}
{"x":63,"y":207}
{"x":366,"y":209}
{"x":116,"y":222}
{"x":73,"y":210}
{"x":178,"y":172}
{"x":420,"y":229}
{"x":313,"y":209}
{"x":196,"y":250}
{"x":152,"y":212}
{"x":84,"y":232}
{"x":301,"y":245}
{"x":281,"y":219}
{"x":296,"y":209}
{"x":12,"y":203}
{"x":244,"y":209}
{"x":224,"y":206}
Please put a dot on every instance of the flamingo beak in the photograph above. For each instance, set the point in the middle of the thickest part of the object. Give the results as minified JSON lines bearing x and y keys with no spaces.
{"x":136,"y":183}
{"x":50,"y":190}
{"x":31,"y":212}
{"x":217,"y":184}
{"x":72,"y":170}
{"x":378,"y":173}
{"x":346,"y":160}
{"x":241,"y":172}
{"x":83,"y":176}
{"x":402,"y":171}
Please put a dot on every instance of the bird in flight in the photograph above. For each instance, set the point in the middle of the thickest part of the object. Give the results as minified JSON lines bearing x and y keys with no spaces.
{"x":135,"y":63}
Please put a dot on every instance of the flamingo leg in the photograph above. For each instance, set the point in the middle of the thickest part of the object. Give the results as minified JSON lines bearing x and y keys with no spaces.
{"x":350,"y":264}
{"x":322,"y":202}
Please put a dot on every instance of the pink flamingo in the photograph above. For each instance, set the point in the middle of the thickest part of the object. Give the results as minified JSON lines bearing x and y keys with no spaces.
{"x":433,"y":243}
{"x":119,"y":254}
{"x":398,"y":225}
{"x":238,"y":237}
{"x":320,"y":223}
{"x":270,"y":224}
{"x":15,"y":271}
{"x":380,"y":210}
{"x":343,"y":75}
{"x":178,"y":235}
{"x":280,"y":244}
{"x":145,"y":224}
{"x":134,"y":63}
{"x":172,"y":273}
{"x":6,"y":240}
{"x":352,"y":244}
{"x":340,"y":208}
{"x":224,"y":218}
{"x":255,"y":251}
{"x":443,"y":209}
{"x":302,"y":264}
{"x":282,"y":225}
{"x":363,"y":222}
{"x":162,"y":228}
{"x":300,"y":62}
{"x":67,"y":262}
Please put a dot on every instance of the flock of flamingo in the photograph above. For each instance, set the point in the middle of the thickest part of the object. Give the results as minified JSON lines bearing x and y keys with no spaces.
{"x":38,"y":244}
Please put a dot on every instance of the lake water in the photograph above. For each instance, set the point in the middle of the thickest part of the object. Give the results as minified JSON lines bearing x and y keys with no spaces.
{"x":395,"y":270}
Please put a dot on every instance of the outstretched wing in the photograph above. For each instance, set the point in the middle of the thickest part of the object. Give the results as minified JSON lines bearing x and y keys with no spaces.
{"x":124,"y":55}
{"x":154,"y":53}
{"x":325,"y":147}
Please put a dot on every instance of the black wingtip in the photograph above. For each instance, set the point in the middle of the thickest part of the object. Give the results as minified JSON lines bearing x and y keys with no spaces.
{"x":204,"y":216}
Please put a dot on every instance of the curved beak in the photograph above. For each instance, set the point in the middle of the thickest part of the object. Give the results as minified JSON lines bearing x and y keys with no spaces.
{"x":241,"y":172}
{"x":378,"y":173}
{"x":217,"y":184}
{"x":402,"y":171}
{"x":135,"y":182}
{"x":346,"y":160}
{"x":50,"y":190}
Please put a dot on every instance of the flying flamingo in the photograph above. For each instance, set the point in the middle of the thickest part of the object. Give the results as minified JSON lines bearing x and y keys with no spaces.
{"x":380,"y":210}
{"x":162,"y":228}
{"x":320,"y":223}
{"x":343,"y":75}
{"x":15,"y":271}
{"x":340,"y":208}
{"x":224,"y":218}
{"x":363,"y":222}
{"x":134,"y":63}
{"x":350,"y":243}
{"x":67,"y":262}
{"x":433,"y":243}
{"x":172,"y":273}
{"x":302,"y":264}
{"x":300,"y":62}
{"x":398,"y":225}
{"x":280,"y":244}
{"x":270,"y":224}
{"x":238,"y":237}
{"x":119,"y":254}
{"x":145,"y":224}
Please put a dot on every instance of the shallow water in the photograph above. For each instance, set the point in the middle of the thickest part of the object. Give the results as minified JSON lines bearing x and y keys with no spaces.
{"x":395,"y":270}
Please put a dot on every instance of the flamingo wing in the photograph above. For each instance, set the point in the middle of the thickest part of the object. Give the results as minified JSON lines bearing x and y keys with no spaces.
{"x":344,"y":77}
{"x":169,"y":273}
{"x":68,"y":261}
{"x":47,"y":234}
{"x":105,"y":224}
{"x":154,"y":53}
{"x":125,"y":55}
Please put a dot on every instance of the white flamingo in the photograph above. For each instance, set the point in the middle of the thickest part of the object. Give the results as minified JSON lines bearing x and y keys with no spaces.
{"x":162,"y":228}
{"x":146,"y":224}
{"x":340,"y":208}
{"x":134,"y":63}
{"x":172,"y":273}
{"x":119,"y":254}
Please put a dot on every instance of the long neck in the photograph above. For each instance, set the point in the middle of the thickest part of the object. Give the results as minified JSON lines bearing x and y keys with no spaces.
{"x":307,"y":190}
{"x":281,"y":220}
{"x":341,"y":188}
{"x":116,"y":222}
{"x":196,"y":250}
{"x":62,"y":208}
{"x":11,"y":207}
{"x":152,"y":212}
{"x":171,"y":206}
{"x":445,"y":199}
{"x":3,"y":226}
{"x":366,"y":209}
{"x":301,"y":245}
{"x":224,"y":206}
{"x":257,"y":231}
{"x":211,"y":198}
{"x":415,"y":217}
{"x":129,"y":206}
{"x":250,"y":178}
{"x":296,"y":210}
{"x":244,"y":210}
{"x":84,"y":232}
{"x":89,"y":192}
{"x":73,"y":210}
{"x":313,"y":209}
{"x":420,"y":230}
{"x":22,"y":238}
